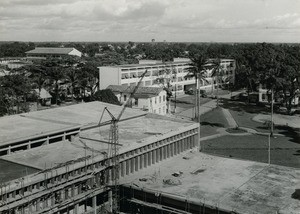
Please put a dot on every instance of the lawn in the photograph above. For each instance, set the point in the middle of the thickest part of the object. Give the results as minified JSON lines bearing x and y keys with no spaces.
{"x":211,"y":121}
{"x":255,"y":148}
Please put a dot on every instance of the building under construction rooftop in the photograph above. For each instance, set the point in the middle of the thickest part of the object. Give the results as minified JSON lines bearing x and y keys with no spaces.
{"x":57,"y":160}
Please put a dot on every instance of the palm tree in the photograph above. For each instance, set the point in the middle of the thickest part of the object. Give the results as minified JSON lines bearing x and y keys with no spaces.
{"x":197,"y":70}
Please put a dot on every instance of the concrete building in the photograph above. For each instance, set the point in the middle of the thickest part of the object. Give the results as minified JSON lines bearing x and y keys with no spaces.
{"x":43,"y":53}
{"x":178,"y":75}
{"x":61,"y":157}
{"x":129,"y":75}
{"x":151,"y":99}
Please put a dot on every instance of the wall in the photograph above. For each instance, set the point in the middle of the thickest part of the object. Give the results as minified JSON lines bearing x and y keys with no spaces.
{"x":109,"y":76}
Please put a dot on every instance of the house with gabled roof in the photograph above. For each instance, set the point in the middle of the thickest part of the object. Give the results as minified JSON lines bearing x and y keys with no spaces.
{"x":151,"y":99}
{"x":44,"y":52}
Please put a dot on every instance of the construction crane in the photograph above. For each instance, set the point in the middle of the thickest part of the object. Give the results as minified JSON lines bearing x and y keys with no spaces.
{"x":114,"y":164}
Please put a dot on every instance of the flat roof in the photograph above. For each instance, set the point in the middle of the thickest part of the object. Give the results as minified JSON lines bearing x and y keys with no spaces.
{"x":133,"y":133}
{"x":146,"y":65}
{"x":234,"y":185}
{"x":22,"y":126}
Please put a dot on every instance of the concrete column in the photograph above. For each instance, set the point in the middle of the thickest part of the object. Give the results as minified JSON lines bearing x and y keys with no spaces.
{"x":29,"y":145}
{"x":149,"y":158}
{"x":175,"y":148}
{"x":168,"y":150}
{"x":127,"y":167}
{"x":64,"y":136}
{"x":94,"y":202}
{"x":158,"y":155}
{"x":79,"y":188}
{"x":153,"y":156}
{"x":37,"y":205}
{"x":141,"y":161}
{"x":47,"y":140}
{"x":136,"y":164}
{"x":9,"y":150}
{"x":146,"y":159}
{"x":122,"y":168}
{"x":132,"y":165}
{"x":76,"y":209}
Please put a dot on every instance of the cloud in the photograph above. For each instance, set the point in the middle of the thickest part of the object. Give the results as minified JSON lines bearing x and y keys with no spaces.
{"x":138,"y":19}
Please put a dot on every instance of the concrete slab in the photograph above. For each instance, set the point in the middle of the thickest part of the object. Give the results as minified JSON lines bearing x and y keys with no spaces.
{"x":17,"y":127}
{"x":241,"y":186}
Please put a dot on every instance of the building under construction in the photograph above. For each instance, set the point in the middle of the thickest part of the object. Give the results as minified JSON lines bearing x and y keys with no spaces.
{"x":60,"y":160}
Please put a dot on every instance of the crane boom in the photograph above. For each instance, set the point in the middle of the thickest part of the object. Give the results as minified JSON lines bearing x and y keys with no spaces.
{"x":131,"y":95}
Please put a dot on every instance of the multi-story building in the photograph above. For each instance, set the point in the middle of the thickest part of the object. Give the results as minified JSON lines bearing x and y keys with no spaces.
{"x":43,"y":53}
{"x":61,"y":157}
{"x":129,"y":75}
{"x":151,"y":99}
{"x":178,"y":74}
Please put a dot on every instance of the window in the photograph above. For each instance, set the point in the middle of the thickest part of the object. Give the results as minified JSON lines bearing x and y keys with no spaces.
{"x":125,"y":97}
{"x":155,"y":101}
{"x":164,"y":98}
{"x":159,"y":99}
{"x":136,"y":102}
{"x":263,"y":97}
{"x":159,"y":111}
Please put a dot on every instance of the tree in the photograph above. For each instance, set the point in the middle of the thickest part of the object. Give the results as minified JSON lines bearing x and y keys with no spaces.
{"x":197,"y":70}
{"x":55,"y":72}
{"x":106,"y":96}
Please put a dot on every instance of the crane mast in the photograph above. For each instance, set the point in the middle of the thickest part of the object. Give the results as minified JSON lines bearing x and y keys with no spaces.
{"x":114,"y":161}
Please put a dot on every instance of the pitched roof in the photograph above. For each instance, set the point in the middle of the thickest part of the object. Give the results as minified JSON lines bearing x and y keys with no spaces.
{"x":142,"y":92}
{"x":50,"y":51}
{"x":44,"y":94}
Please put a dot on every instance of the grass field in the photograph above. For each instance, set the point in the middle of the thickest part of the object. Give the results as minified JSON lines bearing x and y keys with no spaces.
{"x":255,"y":148}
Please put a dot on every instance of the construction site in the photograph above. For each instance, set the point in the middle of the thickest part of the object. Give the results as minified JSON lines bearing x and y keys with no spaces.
{"x":102,"y":158}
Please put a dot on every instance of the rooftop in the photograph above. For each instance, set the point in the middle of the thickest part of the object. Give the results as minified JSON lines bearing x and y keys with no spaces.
{"x":165,"y":64}
{"x":33,"y":124}
{"x":234,"y":185}
{"x":46,"y":50}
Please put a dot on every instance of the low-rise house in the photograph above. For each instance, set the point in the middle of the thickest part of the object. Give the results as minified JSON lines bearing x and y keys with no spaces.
{"x":151,"y":99}
{"x":44,"y":96}
{"x":43,"y":53}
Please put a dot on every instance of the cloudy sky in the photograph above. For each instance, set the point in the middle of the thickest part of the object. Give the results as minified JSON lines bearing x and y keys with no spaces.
{"x":142,"y":20}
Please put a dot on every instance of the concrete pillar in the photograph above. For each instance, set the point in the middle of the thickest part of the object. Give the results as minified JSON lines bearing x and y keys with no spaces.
{"x":136,"y":164}
{"x":9,"y":150}
{"x":132,"y":165}
{"x":79,"y":188}
{"x":175,"y":148}
{"x":64,"y":136}
{"x":37,"y":205}
{"x":127,"y":167}
{"x":47,"y":140}
{"x":168,"y":150}
{"x":94,"y":202}
{"x":153,"y":156}
{"x":29,"y":145}
{"x":149,"y":158}
{"x":76,"y":209}
{"x":141,"y":161}
{"x":122,"y":168}
{"x":158,"y":155}
{"x":145,"y":160}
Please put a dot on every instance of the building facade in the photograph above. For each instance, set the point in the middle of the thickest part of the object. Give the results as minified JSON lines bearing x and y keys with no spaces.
{"x":129,"y":75}
{"x":151,"y":99}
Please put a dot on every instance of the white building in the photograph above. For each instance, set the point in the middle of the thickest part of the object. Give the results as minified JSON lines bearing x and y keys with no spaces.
{"x":129,"y":75}
{"x":43,"y":53}
{"x":179,"y":76}
{"x":151,"y":99}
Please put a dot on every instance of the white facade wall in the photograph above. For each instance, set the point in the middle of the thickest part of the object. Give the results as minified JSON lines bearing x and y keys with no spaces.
{"x":109,"y":76}
{"x":157,"y":104}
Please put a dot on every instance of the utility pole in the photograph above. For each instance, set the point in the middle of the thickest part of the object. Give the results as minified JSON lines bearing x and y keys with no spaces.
{"x":199,"y":114}
{"x":272,"y":98}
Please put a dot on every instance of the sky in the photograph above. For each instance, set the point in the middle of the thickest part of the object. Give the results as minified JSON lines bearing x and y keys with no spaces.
{"x":143,"y":20}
